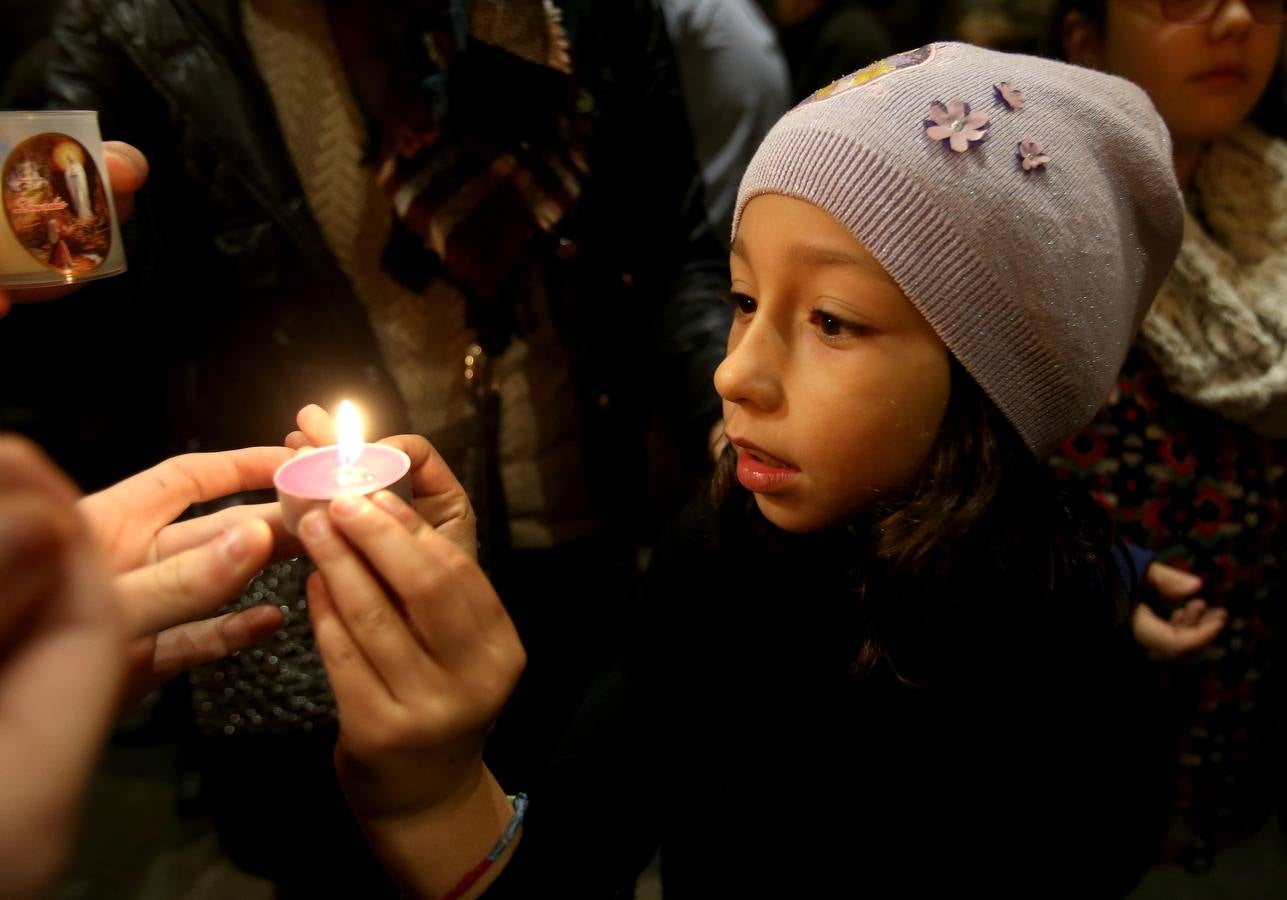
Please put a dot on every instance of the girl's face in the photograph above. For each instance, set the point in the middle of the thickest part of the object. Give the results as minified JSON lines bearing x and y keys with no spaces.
{"x":1203,"y":78}
{"x":834,"y":385}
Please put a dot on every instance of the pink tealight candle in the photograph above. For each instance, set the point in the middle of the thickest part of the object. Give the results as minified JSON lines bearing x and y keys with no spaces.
{"x":312,"y":479}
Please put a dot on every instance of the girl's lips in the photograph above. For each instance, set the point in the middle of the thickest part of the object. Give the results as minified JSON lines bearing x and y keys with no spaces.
{"x":758,"y":452}
{"x":767,"y":458}
{"x":762,"y":474}
{"x":1222,"y":75}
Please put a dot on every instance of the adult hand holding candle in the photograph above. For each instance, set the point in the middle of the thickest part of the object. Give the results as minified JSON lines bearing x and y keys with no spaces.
{"x":349,"y":466}
{"x":439,"y":498}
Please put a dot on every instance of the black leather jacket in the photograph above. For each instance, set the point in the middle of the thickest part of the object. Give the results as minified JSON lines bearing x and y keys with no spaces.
{"x":235,"y":296}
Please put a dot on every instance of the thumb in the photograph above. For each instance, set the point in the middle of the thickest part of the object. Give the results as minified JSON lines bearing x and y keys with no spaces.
{"x":1171,"y":583}
{"x":127,"y":170}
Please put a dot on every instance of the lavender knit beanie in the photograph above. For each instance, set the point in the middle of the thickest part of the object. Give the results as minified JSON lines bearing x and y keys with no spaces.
{"x":1028,"y":208}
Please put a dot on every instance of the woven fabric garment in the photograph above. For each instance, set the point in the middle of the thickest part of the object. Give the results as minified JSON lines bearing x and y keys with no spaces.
{"x":1218,"y":328}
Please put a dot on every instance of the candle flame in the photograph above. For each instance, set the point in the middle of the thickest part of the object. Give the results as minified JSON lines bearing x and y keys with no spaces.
{"x":348,"y":425}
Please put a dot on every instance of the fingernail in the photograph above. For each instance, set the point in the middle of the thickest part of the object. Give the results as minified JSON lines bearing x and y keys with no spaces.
{"x":234,"y":544}
{"x":388,"y":501}
{"x":314,"y":526}
{"x":347,"y":505}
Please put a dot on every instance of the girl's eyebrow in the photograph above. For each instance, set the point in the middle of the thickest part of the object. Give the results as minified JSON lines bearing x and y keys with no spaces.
{"x":824,"y":257}
{"x":815,"y":256}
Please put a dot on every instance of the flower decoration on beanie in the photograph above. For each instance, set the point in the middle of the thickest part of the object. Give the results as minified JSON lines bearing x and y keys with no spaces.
{"x":1051,"y":275}
{"x":1010,"y":95}
{"x":1032,"y":154}
{"x":956,"y":125}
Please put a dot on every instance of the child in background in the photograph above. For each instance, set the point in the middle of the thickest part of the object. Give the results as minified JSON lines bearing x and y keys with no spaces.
{"x":1188,"y":454}
{"x":887,"y":649}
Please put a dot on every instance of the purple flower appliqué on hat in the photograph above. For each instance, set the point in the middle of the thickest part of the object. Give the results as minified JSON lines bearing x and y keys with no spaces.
{"x":1032,"y":154}
{"x":1010,"y":95}
{"x":956,"y":124}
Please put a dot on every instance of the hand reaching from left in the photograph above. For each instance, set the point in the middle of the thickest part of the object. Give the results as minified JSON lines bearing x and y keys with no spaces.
{"x":169,"y":576}
{"x":62,"y":655}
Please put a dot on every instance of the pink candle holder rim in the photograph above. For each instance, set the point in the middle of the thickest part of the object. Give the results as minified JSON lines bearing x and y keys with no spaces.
{"x":404,"y":466}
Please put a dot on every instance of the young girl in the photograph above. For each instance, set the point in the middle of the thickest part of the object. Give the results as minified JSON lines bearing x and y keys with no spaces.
{"x":889,"y":652}
{"x":1188,"y":454}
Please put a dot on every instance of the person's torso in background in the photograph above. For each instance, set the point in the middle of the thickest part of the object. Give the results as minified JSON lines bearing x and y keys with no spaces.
{"x":1207,"y":495}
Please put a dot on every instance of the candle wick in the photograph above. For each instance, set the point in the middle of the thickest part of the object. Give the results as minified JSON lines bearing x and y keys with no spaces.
{"x":350,"y":476}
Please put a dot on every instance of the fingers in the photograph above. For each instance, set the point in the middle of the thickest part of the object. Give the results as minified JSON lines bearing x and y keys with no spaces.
{"x":1196,"y":613}
{"x":430,"y":475}
{"x":359,"y":691}
{"x":194,"y":643}
{"x":439,"y":498}
{"x":195,"y":582}
{"x":448,"y":606}
{"x":158,"y":495}
{"x":367,"y":613}
{"x":403,"y":514}
{"x":1195,"y":626}
{"x":127,"y":170}
{"x":194,"y":532}
{"x":1171,"y":583}
{"x":1212,"y":617}
{"x":131,"y":160}
{"x":1188,"y":615}
{"x":1190,"y":629}
{"x":317,"y":425}
{"x":1204,"y":631}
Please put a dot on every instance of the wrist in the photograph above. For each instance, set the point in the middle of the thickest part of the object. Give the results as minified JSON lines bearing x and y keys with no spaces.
{"x":430,"y":849}
{"x":399,"y":786}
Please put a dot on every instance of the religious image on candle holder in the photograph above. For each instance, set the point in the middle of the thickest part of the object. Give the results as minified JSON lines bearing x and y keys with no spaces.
{"x":57,"y":224}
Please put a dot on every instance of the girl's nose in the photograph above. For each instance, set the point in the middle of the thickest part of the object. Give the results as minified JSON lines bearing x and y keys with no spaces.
{"x":750,"y":372}
{"x":1231,"y":20}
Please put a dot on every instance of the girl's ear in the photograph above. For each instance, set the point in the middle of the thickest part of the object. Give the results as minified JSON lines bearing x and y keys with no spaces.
{"x":1081,"y":41}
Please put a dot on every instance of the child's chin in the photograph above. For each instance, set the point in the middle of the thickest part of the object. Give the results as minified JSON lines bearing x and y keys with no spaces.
{"x":795,"y":515}
{"x":788,"y":517}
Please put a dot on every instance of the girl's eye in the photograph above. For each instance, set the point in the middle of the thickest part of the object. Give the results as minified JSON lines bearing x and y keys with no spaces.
{"x":832,"y":326}
{"x":742,"y":303}
{"x":828,"y":325}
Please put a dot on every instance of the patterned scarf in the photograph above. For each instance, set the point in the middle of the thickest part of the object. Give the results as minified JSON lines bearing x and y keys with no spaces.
{"x":1218,"y":328}
{"x":478,"y":134}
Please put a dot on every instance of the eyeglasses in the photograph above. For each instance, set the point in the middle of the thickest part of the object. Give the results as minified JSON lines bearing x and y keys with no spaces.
{"x":1199,"y":12}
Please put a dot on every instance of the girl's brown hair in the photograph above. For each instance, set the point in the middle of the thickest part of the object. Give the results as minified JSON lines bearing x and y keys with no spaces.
{"x":985,"y":523}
